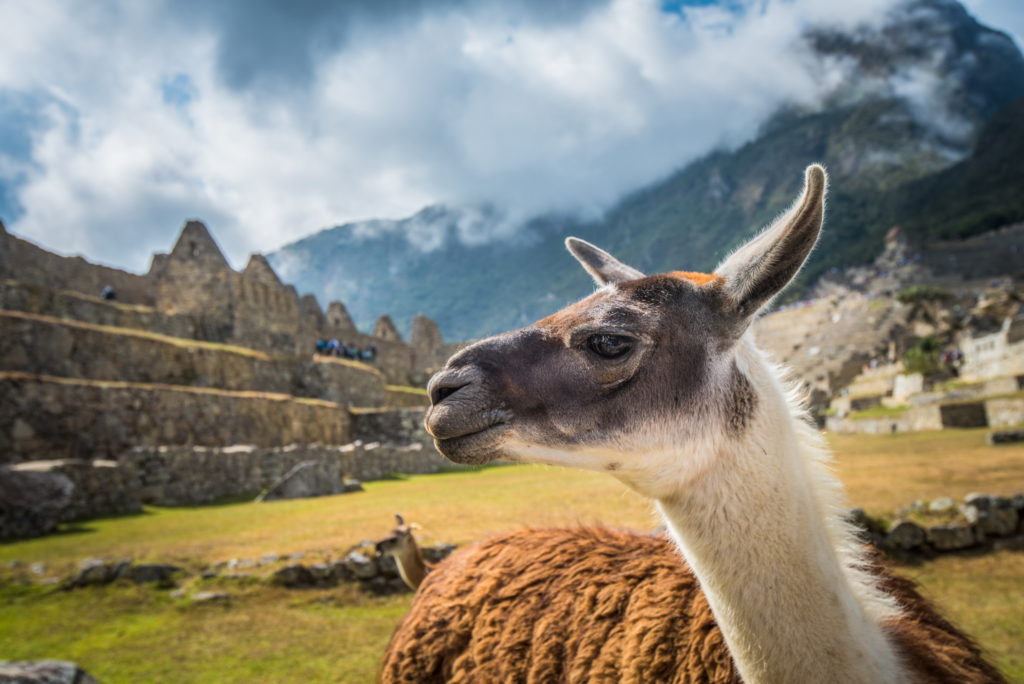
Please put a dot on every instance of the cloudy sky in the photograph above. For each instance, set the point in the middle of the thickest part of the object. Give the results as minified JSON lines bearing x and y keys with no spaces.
{"x":271,"y":120}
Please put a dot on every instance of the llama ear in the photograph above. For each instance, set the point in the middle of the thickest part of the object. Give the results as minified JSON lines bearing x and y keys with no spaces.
{"x":760,"y":269}
{"x":399,"y":519}
{"x":602,"y":266}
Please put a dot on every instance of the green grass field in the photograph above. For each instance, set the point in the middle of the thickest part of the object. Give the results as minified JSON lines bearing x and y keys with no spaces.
{"x":124,"y":633}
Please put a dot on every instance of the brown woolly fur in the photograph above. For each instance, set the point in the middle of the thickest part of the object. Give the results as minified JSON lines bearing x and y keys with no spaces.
{"x":601,"y":605}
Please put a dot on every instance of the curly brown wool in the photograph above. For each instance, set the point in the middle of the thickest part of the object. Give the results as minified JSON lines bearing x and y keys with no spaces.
{"x":602,"y":605}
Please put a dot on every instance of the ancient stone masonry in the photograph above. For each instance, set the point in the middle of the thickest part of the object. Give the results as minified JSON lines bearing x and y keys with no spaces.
{"x":98,"y":488}
{"x":47,"y":418}
{"x":193,"y":292}
{"x":403,"y":426}
{"x":960,"y":292}
{"x":21,"y":260}
{"x":176,"y":476}
{"x":41,"y":344}
{"x":65,"y":490}
{"x":109,"y":403}
{"x":338,"y":318}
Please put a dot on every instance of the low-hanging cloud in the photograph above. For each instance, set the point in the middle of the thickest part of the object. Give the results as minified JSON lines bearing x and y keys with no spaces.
{"x":270,"y":123}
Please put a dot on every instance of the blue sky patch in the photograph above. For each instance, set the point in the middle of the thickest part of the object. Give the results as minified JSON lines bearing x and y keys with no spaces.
{"x":178,"y":90}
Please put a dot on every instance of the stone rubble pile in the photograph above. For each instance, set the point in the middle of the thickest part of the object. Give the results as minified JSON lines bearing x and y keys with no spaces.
{"x":980,"y":521}
{"x":1005,"y":437}
{"x":97,"y":571}
{"x":362,"y":564}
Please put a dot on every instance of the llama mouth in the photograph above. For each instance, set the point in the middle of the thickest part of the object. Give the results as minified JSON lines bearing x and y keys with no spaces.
{"x":475,"y":448}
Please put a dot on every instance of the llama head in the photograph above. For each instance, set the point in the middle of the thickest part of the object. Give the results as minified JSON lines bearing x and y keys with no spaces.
{"x":400,"y":539}
{"x":643,"y":368}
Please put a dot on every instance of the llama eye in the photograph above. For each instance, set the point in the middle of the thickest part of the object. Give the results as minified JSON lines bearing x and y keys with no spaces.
{"x":610,"y":346}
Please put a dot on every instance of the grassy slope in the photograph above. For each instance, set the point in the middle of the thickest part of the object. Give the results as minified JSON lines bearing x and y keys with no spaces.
{"x":137,"y":634}
{"x":140,"y":634}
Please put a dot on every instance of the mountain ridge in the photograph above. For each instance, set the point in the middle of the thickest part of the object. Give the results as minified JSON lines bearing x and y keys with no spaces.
{"x":891,"y":157}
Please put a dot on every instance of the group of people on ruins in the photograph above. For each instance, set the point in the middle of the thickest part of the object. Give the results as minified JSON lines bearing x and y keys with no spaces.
{"x":339,"y":349}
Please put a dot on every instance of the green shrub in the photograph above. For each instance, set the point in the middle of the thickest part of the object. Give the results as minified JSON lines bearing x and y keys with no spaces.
{"x":923,"y":357}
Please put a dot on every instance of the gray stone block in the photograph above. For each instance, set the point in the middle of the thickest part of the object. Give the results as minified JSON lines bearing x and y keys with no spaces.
{"x":951,"y":537}
{"x":905,"y":535}
{"x":32,"y":501}
{"x":307,"y":479}
{"x":43,"y":672}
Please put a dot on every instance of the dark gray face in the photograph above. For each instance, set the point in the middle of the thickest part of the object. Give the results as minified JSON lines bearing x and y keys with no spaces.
{"x":580,"y":377}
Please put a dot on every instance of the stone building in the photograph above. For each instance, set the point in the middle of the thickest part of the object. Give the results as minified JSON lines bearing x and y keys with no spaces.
{"x":195,"y":382}
{"x":998,"y":354}
{"x":251,"y":308}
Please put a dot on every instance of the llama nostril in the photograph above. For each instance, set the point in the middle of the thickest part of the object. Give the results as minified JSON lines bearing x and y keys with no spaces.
{"x":439,"y":394}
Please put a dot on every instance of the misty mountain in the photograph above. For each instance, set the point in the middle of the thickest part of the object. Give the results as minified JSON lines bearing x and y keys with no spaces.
{"x":922,"y":131}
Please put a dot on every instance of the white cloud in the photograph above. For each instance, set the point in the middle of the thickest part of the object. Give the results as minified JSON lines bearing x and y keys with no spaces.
{"x":459,"y":104}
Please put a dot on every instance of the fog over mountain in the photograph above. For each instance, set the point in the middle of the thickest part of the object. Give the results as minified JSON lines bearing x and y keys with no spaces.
{"x":912,"y":111}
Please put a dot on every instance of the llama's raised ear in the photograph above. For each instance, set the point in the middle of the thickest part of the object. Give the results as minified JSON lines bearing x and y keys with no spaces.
{"x":602,"y":266}
{"x":759,"y":270}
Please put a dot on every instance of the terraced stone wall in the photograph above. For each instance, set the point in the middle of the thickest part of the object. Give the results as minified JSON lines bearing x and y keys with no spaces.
{"x":109,"y":418}
{"x":20,"y":296}
{"x":44,"y":345}
{"x":22,"y":260}
{"x":184,"y":475}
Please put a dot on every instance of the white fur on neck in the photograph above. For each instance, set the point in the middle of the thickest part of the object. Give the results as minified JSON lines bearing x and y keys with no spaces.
{"x":762,"y":527}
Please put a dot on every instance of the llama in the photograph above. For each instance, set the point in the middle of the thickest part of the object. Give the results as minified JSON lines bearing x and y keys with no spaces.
{"x":657,"y":381}
{"x":402,"y":546}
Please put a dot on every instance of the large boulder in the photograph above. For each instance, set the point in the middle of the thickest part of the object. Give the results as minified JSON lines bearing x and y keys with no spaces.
{"x":306,"y":479}
{"x":43,"y":672}
{"x":95,"y":571}
{"x":31,"y":501}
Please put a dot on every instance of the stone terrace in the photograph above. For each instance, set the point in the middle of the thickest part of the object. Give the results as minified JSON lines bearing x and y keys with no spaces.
{"x":196,"y":382}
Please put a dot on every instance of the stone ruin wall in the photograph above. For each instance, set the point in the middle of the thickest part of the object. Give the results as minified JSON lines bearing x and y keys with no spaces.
{"x":189,"y":474}
{"x":190,"y":358}
{"x":108,"y":418}
{"x":196,"y":475}
{"x":44,"y":345}
{"x":24,"y":261}
{"x":193,"y":292}
{"x":183,"y":476}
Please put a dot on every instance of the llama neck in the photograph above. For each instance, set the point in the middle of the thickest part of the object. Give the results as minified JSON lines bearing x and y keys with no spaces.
{"x":411,"y":566}
{"x":762,"y":532}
